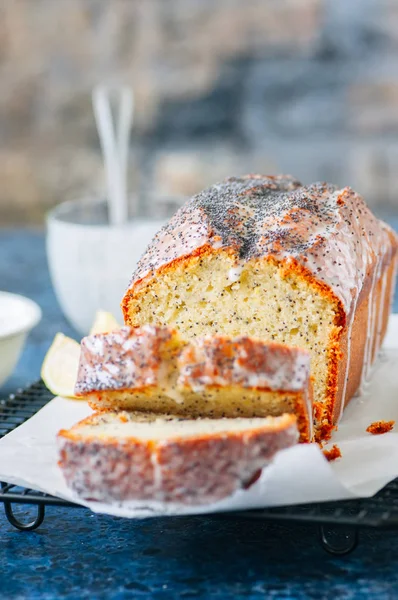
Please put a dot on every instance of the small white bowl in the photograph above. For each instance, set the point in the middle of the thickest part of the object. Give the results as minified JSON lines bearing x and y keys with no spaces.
{"x":18,"y":315}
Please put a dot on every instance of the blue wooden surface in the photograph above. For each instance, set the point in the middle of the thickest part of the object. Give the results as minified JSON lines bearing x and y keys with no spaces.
{"x":78,"y":555}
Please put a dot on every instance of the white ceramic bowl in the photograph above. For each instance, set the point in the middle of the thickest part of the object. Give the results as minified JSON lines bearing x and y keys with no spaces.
{"x":90,"y":261}
{"x":18,"y":315}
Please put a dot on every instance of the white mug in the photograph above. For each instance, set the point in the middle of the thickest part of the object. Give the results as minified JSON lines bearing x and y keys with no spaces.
{"x":90,"y":261}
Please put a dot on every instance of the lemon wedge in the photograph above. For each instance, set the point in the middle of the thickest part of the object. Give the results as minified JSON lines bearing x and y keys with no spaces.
{"x":60,"y":365}
{"x":104,"y":322}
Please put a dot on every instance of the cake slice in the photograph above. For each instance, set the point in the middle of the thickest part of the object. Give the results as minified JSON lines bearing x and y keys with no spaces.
{"x":114,"y":457}
{"x":266,"y":256}
{"x":152,"y":369}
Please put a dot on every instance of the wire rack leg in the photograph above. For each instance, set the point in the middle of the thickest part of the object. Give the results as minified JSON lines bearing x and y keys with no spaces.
{"x":24,"y":526}
{"x":339,"y":541}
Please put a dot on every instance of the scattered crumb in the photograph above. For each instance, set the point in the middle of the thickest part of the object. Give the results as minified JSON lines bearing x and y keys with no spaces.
{"x":379,"y":427}
{"x":123,"y":418}
{"x":333,"y":453}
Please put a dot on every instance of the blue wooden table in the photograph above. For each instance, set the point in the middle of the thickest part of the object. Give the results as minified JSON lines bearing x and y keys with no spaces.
{"x":78,"y":555}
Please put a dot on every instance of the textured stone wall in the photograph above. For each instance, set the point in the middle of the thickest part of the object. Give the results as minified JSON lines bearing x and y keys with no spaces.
{"x":222,"y":87}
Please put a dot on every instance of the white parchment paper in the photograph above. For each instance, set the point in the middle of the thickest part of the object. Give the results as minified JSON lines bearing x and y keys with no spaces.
{"x":28,"y":455}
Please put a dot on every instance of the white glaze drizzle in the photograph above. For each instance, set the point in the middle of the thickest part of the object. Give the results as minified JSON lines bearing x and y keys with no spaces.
{"x":373,"y":245}
{"x":277,"y":371}
{"x":167,"y":381}
{"x":356,"y":281}
{"x":381,"y":312}
{"x":121,"y":359}
{"x":392,"y":282}
{"x":374,"y":324}
{"x":157,"y":475}
{"x":310,"y":414}
{"x":367,"y":357}
{"x":234,"y":273}
{"x":347,"y":369}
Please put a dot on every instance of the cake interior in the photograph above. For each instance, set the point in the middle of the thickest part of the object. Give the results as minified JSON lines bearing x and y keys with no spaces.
{"x":163,"y":427}
{"x":231,"y":401}
{"x":210,"y":294}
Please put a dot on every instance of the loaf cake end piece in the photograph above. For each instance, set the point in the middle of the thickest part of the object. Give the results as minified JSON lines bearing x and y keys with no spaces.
{"x":116,"y":457}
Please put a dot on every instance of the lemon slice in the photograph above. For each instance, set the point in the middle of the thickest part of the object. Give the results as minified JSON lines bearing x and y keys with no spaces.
{"x":104,"y":322}
{"x":60,"y":365}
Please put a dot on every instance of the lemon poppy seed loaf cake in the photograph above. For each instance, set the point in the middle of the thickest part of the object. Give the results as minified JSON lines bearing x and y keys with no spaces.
{"x":115,"y":457}
{"x":308,"y":266}
{"x":151,"y":368}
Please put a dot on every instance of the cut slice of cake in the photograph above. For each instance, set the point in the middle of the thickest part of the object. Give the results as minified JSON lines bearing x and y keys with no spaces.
{"x":114,"y":457}
{"x":152,"y":369}
{"x":307,"y":266}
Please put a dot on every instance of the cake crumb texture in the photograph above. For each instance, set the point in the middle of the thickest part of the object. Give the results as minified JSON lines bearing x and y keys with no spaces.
{"x":379,"y":427}
{"x":333,"y":453}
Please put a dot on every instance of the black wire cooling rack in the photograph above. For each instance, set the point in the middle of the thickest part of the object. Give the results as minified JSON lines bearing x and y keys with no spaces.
{"x":339,"y":522}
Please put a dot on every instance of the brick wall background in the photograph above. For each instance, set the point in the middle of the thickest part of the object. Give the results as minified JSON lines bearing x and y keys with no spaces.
{"x":222,"y":87}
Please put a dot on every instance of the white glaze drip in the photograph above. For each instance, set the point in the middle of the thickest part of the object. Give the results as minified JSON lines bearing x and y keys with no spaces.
{"x":167,"y":381}
{"x":367,"y":357}
{"x":373,"y":324}
{"x":310,"y":415}
{"x":217,"y":243}
{"x":157,"y":475}
{"x":392,"y":283}
{"x":234,"y":273}
{"x":381,"y":312}
{"x":372,"y":245}
{"x":374,"y":320}
{"x":277,"y":371}
{"x":348,"y":362}
{"x":172,"y":392}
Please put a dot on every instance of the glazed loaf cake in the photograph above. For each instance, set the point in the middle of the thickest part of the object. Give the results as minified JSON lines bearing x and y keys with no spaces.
{"x":151,"y":368}
{"x":114,"y":457}
{"x":308,"y":266}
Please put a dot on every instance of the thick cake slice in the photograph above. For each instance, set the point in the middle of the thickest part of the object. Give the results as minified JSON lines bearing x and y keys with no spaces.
{"x":151,"y":369}
{"x":307,"y":266}
{"x":111,"y":457}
